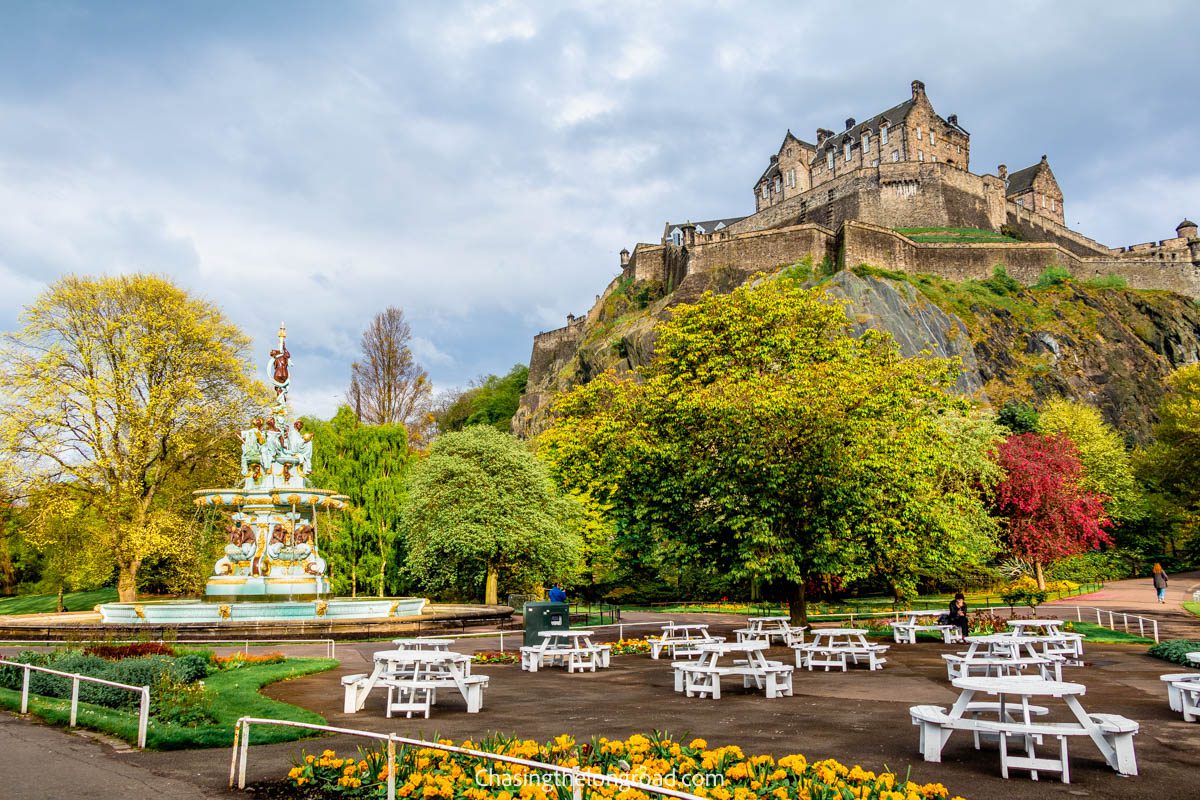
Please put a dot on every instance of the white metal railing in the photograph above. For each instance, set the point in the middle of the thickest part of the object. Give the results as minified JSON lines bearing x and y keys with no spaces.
{"x":1146,"y":626}
{"x":143,"y":710}
{"x":578,"y":777}
{"x":245,"y":644}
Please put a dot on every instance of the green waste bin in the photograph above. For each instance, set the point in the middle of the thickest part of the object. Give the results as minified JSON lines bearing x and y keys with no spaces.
{"x":545,"y":616}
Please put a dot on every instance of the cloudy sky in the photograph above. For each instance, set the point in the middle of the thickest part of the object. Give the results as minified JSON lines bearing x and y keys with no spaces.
{"x":480,"y":163}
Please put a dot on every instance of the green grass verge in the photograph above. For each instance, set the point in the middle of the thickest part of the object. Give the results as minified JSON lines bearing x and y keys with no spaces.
{"x":966,"y":235}
{"x":1193,"y":608}
{"x":46,"y":603}
{"x":1097,"y":634}
{"x":234,"y":693}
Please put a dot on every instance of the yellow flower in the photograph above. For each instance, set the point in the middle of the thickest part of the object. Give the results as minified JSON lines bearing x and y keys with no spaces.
{"x":698,"y":744}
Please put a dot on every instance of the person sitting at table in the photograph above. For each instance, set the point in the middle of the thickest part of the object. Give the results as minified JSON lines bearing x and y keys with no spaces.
{"x":557,"y":595}
{"x":958,"y":613}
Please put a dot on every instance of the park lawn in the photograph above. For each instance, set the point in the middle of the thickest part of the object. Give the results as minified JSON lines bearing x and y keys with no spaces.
{"x":234,"y":693}
{"x":1194,"y":608}
{"x":45,"y":603}
{"x":1098,"y":634}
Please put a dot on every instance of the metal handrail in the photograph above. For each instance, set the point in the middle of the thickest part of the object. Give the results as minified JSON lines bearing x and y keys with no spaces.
{"x":330,"y":644}
{"x":143,"y":709}
{"x":241,"y":746}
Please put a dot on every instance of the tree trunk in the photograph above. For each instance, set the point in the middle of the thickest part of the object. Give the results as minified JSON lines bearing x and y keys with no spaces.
{"x":1041,"y":578}
{"x":354,"y":580}
{"x":127,"y":580}
{"x":59,"y":605}
{"x":382,"y":557}
{"x":797,"y":602}
{"x":491,"y":591}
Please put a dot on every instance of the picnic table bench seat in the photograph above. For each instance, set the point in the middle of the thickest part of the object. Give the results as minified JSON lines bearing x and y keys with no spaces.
{"x":959,"y":665}
{"x":905,"y":632}
{"x":814,"y":655}
{"x":1183,"y":693}
{"x":936,"y":725}
{"x":699,"y":680}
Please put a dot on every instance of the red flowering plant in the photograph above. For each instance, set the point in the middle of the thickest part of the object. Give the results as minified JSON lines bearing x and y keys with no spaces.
{"x":1049,"y":515}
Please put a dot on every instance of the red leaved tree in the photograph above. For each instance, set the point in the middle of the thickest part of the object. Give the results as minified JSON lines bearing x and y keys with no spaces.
{"x":1048,"y":514}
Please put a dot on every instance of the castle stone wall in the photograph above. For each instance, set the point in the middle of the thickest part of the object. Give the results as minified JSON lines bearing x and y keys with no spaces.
{"x":763,"y":250}
{"x":1036,"y":227}
{"x":881,"y":247}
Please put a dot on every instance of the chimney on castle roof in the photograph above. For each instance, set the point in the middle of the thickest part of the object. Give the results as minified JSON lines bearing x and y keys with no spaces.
{"x":918,"y":89}
{"x":624,"y":257}
{"x":849,"y":123}
{"x":822,"y":135}
{"x":1002,"y":171}
{"x":952,"y":119}
{"x":1044,"y":161}
{"x":774,"y":159}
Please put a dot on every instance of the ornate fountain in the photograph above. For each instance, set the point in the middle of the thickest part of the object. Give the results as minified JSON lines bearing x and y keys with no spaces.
{"x":272,"y":567}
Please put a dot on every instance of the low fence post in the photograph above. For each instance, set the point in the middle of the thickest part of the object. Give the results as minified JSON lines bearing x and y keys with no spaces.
{"x":25,"y":691}
{"x":501,"y":640}
{"x":245,"y":745}
{"x":233,"y":757}
{"x":74,"y":700}
{"x":391,"y":767}
{"x":144,"y":717}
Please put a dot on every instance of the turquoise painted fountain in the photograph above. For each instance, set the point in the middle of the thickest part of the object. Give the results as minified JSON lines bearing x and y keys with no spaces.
{"x":272,"y":567}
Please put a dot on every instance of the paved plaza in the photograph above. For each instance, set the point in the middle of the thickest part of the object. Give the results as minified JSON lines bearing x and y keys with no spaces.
{"x":855,"y":717}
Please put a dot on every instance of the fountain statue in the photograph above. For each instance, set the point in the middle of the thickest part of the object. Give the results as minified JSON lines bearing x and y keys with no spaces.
{"x":272,"y":552}
{"x":272,"y":547}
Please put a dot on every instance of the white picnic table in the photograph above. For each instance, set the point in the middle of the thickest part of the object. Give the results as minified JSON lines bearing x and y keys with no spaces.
{"x":572,"y":648}
{"x":422,"y":643}
{"x":905,"y":632}
{"x":1050,"y":626}
{"x":703,"y":676}
{"x":415,"y":675}
{"x":831,"y":647}
{"x":681,"y":640}
{"x":767,"y":628}
{"x":1001,"y":664}
{"x":1112,"y":734}
{"x":1062,"y":645}
{"x":1194,"y":657}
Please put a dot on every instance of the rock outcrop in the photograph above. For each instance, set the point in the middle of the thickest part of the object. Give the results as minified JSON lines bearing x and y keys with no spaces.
{"x":1111,"y":348}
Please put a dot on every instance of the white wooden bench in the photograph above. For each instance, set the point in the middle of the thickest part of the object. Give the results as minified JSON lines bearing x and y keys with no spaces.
{"x":700,"y":680}
{"x":350,"y":688}
{"x":960,"y":666}
{"x":811,"y":655}
{"x":906,"y":632}
{"x":1176,"y":683}
{"x":936,"y":726}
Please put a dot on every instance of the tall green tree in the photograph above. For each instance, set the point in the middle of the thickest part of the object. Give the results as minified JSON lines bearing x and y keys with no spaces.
{"x":368,"y":464}
{"x":116,"y":390}
{"x":492,"y":401}
{"x":766,"y":439}
{"x":1107,"y":465}
{"x":1168,"y":467}
{"x":484,"y":516}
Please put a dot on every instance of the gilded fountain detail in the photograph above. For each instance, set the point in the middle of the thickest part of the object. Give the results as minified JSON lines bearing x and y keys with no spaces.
{"x":271,"y":567}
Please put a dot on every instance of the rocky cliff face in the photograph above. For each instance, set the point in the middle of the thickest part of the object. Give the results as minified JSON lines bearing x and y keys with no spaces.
{"x":1111,"y":348}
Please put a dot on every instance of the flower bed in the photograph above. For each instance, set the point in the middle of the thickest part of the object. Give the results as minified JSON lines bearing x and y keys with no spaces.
{"x":721,"y":773}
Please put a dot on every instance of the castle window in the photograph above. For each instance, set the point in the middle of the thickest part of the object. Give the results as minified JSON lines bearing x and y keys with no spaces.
{"x":883,"y":133}
{"x":874,"y":162}
{"x":764,"y":191}
{"x":677,"y":236}
{"x":778,"y":186}
{"x":933,"y":158}
{"x":932,"y":138}
{"x":918,"y":133}
{"x":1052,"y":208}
{"x":829,"y":159}
{"x":895,"y":155}
{"x":846,"y":149}
{"x":866,"y":142}
{"x":920,"y":155}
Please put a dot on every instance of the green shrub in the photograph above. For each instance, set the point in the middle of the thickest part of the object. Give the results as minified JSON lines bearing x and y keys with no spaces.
{"x":190,"y":668}
{"x":1106,"y":282}
{"x":1024,"y":597}
{"x":176,"y":702}
{"x":1001,"y":282}
{"x":1052,"y":275}
{"x":1018,"y":417}
{"x":1094,"y":567}
{"x":1176,"y":650}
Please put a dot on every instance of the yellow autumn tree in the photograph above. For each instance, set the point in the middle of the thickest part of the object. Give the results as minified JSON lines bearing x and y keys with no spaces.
{"x":116,"y":390}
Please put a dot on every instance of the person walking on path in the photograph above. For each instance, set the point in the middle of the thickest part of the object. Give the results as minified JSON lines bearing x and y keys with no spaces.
{"x":1160,"y":583}
{"x":557,"y":595}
